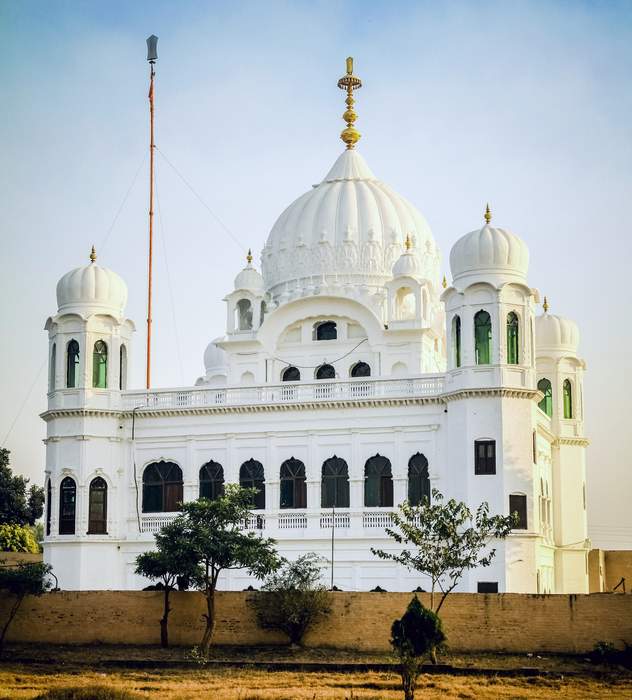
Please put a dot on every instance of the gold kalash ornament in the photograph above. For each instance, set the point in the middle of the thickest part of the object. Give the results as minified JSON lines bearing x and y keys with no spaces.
{"x":349,"y":82}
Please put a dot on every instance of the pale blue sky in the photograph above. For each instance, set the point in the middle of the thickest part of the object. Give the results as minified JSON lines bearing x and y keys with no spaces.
{"x":524,"y":104}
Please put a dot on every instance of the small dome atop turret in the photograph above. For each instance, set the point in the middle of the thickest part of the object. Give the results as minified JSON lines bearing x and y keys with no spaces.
{"x":489,"y":254}
{"x":408,"y":264}
{"x":92,"y":289}
{"x":555,"y":333}
{"x":215,"y":359}
{"x":249,"y":278}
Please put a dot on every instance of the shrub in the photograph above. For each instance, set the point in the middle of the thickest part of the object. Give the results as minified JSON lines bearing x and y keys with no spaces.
{"x":17,"y":538}
{"x":89,"y":692}
{"x":293,"y":599}
{"x":607,"y":653}
{"x":413,"y":637}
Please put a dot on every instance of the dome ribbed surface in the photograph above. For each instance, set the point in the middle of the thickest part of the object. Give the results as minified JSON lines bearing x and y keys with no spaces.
{"x":250,"y":279}
{"x":556,"y":333}
{"x":91,"y":286}
{"x":351,"y":227}
{"x":489,"y":250}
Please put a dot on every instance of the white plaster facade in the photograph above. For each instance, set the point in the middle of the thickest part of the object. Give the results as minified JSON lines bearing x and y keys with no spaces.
{"x":339,"y":255}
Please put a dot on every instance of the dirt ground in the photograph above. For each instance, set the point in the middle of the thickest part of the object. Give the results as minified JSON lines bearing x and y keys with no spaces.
{"x":53,"y":667}
{"x":18,"y":681}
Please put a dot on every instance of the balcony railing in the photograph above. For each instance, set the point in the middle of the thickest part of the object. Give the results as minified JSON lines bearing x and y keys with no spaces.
{"x":289,"y":522}
{"x":302,"y":392}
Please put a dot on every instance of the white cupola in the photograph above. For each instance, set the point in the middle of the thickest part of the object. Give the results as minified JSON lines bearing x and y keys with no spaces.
{"x":555,"y":335}
{"x":89,"y":338}
{"x":90,"y":289}
{"x":490,"y":254}
{"x":246,"y":304}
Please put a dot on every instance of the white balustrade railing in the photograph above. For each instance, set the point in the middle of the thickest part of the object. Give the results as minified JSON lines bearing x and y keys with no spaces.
{"x":377,"y":519}
{"x":302,"y":392}
{"x":151,"y":523}
{"x":292,"y":521}
{"x":338,"y":520}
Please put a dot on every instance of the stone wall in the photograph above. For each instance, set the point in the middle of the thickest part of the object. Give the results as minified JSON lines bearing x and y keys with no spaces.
{"x":473,"y":622}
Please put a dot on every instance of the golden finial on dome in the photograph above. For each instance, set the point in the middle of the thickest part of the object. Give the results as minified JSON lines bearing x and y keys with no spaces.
{"x":349,"y":82}
{"x":93,"y":255}
{"x":488,"y":214}
{"x":545,"y":305}
{"x":444,"y":284}
{"x":408,"y":243}
{"x":249,"y":257}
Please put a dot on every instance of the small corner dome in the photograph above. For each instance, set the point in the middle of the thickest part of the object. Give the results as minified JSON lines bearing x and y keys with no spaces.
{"x":91,"y":288}
{"x":408,"y":264}
{"x":489,"y":253}
{"x":249,"y":279}
{"x":556,"y":333}
{"x":215,"y":359}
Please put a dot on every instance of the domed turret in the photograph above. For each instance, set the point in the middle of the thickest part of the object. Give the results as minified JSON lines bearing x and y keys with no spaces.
{"x":407,"y":265}
{"x":91,"y":288}
{"x":215,"y":359}
{"x":489,"y":254}
{"x":249,"y":278}
{"x":555,"y":334}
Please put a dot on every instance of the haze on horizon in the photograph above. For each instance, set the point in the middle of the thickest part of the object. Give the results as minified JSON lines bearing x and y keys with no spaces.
{"x":526,"y":105}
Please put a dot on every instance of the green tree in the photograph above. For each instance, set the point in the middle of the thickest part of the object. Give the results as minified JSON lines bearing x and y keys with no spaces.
{"x":18,"y":538}
{"x":293,"y":599}
{"x":19,"y":581}
{"x":216,"y":541}
{"x":413,"y":637}
{"x":444,"y":540}
{"x":172,"y":563}
{"x":18,"y":505}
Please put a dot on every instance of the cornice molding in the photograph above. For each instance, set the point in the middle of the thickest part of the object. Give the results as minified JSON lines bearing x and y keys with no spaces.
{"x":576,"y":441}
{"x":438,"y":399}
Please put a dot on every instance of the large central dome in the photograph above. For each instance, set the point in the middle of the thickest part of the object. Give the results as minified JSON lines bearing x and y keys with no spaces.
{"x":346,"y":231}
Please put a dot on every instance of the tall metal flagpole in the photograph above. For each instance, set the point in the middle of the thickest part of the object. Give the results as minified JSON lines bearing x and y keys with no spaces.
{"x":152,"y":57}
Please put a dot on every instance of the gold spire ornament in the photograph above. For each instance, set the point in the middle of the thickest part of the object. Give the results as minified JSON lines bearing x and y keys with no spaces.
{"x":93,"y":255}
{"x":444,"y":284}
{"x":545,"y":305}
{"x":350,"y":82}
{"x":488,"y":214}
{"x":408,"y":243}
{"x":249,"y":257}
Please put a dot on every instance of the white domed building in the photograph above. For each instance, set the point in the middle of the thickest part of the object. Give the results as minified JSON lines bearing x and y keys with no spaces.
{"x":347,"y":380}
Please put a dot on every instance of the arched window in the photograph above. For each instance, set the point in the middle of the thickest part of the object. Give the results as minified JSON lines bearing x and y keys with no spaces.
{"x":251,"y":477}
{"x":98,"y":507}
{"x":72,"y":365}
{"x":360,"y":369}
{"x":49,"y":494}
{"x":100,"y":365}
{"x":326,"y":330}
{"x":244,"y":315}
{"x":405,"y":304}
{"x":418,"y":480}
{"x":335,"y":483}
{"x":456,"y":340}
{"x":211,"y":480}
{"x":512,"y":338}
{"x":378,"y":482}
{"x":291,"y":374}
{"x":53,"y":368}
{"x":544,"y":385}
{"x":325,"y":372}
{"x":567,"y":392}
{"x":293,"y":486}
{"x":162,"y":487}
{"x":482,"y":338}
{"x":67,"y":506}
{"x":123,"y":368}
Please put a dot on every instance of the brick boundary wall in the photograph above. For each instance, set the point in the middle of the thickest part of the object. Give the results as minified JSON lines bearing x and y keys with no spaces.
{"x":508,"y":622}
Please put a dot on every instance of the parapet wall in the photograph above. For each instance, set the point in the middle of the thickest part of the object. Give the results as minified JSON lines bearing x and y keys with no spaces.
{"x":509,"y":622}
